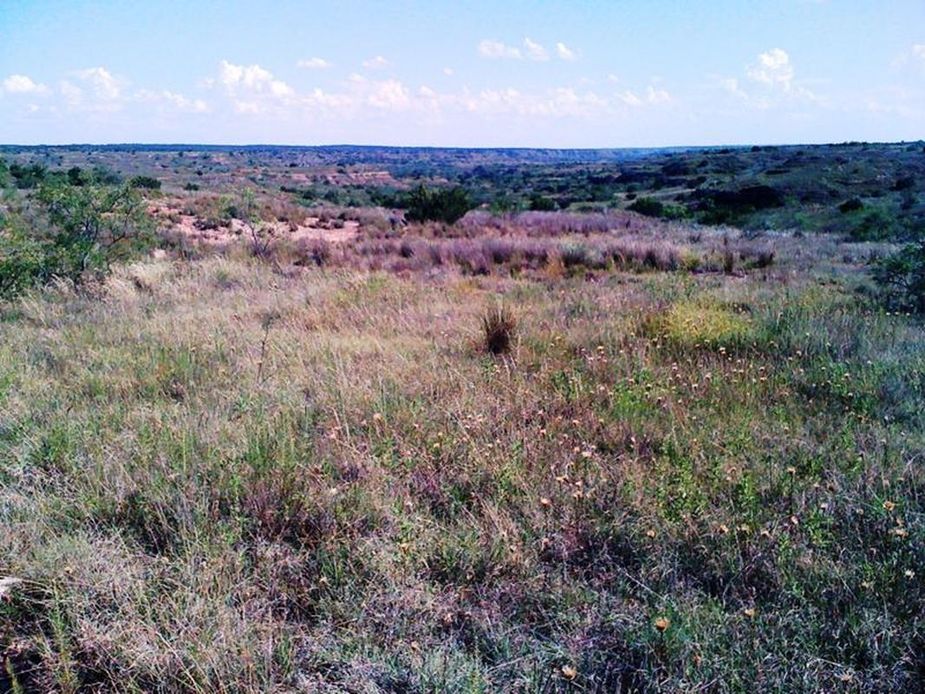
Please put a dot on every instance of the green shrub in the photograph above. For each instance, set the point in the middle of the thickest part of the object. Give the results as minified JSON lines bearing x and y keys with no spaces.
{"x":443,"y":205}
{"x":902,"y":278}
{"x":22,"y":261}
{"x":851,"y":205}
{"x":648,"y":207}
{"x":80,"y":231}
{"x":876,"y":226}
{"x":146,"y":182}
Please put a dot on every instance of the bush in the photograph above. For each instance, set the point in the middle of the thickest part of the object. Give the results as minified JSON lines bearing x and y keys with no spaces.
{"x":21,"y":262}
{"x":86,"y":228}
{"x":851,"y":205}
{"x":445,"y":205}
{"x":902,"y":278}
{"x":648,"y":207}
{"x":146,"y":182}
{"x":875,"y":226}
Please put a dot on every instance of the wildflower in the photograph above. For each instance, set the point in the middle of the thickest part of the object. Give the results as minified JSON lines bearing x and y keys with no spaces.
{"x":900,"y":532}
{"x":544,"y":501}
{"x":750,"y":612}
{"x":650,"y":533}
{"x":568,"y":672}
{"x":909,"y":573}
{"x":662,"y":623}
{"x":888,"y":505}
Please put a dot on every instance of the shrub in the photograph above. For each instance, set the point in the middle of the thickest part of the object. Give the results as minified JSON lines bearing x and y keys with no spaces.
{"x":146,"y":182}
{"x":87,"y":227}
{"x":851,"y":205}
{"x":21,"y":261}
{"x":902,"y":277}
{"x":498,"y":327}
{"x":445,"y":205}
{"x":648,"y":207}
{"x":876,"y":226}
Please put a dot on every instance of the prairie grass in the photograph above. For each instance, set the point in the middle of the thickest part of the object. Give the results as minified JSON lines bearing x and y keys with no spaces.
{"x":221,"y":477}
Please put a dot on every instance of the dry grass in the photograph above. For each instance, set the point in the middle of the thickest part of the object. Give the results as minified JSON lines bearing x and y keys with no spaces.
{"x":222,"y":477}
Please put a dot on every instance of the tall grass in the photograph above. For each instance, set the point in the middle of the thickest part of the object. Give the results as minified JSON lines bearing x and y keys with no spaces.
{"x":683,"y":481}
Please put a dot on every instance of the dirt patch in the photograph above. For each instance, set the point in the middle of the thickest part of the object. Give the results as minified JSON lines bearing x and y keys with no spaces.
{"x":208,"y":232}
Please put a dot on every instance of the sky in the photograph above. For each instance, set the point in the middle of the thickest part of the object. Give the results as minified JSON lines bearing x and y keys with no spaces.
{"x":477,"y":73}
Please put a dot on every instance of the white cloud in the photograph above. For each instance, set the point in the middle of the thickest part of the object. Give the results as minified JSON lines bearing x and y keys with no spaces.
{"x":314,"y":64}
{"x":535,"y":51}
{"x":174,"y":100}
{"x":448,"y":71}
{"x":731,"y":85}
{"x":21,"y":84}
{"x":630,"y":99}
{"x":103,"y":84}
{"x":530,"y":50}
{"x":376,"y":63}
{"x":564,"y":52}
{"x":653,"y":96}
{"x":252,"y":78}
{"x":773,"y":69}
{"x":918,"y":50}
{"x":494,"y":50}
{"x":253,"y":89}
{"x":390,"y":95}
{"x":72,"y":94}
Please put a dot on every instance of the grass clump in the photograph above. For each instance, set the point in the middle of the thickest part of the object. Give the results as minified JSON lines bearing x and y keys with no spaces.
{"x":498,"y":330}
{"x":697,"y":324}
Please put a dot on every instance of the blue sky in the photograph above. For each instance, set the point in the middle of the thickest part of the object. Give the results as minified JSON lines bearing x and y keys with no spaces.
{"x":546,"y":73}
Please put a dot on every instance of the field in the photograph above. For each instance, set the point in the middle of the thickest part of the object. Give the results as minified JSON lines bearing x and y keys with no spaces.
{"x":300,"y":442}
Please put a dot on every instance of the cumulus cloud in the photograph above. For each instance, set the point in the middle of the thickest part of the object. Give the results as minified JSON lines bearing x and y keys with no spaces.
{"x":314,"y":64}
{"x":253,"y":79}
{"x":489,"y":48}
{"x":176,"y":101}
{"x":564,"y":52}
{"x":653,"y":96}
{"x":528,"y":50}
{"x":92,"y":89}
{"x":21,"y":84}
{"x":389,"y":95}
{"x":375,"y":63}
{"x":535,"y":51}
{"x":773,"y":69}
{"x":101,"y":81}
{"x":918,"y":50}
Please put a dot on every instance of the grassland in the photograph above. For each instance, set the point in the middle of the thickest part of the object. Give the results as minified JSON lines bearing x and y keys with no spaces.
{"x":218,"y":477}
{"x":693,"y":462}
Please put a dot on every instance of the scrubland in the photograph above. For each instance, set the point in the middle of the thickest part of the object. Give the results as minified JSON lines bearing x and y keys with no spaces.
{"x":692,"y":464}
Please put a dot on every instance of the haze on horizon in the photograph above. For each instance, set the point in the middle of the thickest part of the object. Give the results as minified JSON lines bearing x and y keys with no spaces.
{"x":409,"y":72}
